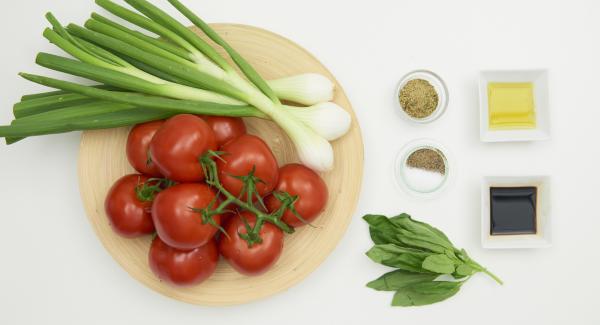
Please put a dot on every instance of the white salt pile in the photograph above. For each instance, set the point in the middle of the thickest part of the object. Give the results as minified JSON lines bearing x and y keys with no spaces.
{"x":422,"y":180}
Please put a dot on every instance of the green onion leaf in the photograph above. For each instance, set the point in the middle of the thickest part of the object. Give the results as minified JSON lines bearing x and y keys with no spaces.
{"x":145,"y":23}
{"x":199,"y":78}
{"x":181,"y":52}
{"x":244,"y":66}
{"x":154,"y":102}
{"x":48,"y":103}
{"x":143,"y":45}
{"x":58,"y":92}
{"x":103,"y":121}
{"x":164,"y":19}
{"x":60,"y":30}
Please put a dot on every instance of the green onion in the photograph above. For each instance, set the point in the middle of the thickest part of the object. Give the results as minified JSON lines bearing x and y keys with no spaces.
{"x":73,"y":113}
{"x":164,"y":19}
{"x":42,"y":95}
{"x":313,"y":150}
{"x":197,"y":77}
{"x":150,"y":102}
{"x":93,"y":107}
{"x":156,"y":28}
{"x":126,"y":81}
{"x":144,"y":45}
{"x":306,"y":89}
{"x":327,"y":119}
{"x":165,"y":75}
{"x":102,"y":121}
{"x":246,"y":68}
{"x":58,"y":92}
{"x":77,"y":46}
{"x":156,"y":42}
{"x":147,"y":77}
{"x":40,"y":105}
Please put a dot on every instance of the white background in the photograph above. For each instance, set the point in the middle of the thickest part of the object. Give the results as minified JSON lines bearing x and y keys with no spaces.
{"x":54,"y":270}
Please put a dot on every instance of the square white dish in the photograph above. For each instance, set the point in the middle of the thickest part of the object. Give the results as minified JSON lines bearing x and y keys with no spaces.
{"x":543,"y":236}
{"x":539,"y":79}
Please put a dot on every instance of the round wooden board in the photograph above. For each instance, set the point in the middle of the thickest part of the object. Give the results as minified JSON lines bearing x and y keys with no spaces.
{"x":102,"y":161}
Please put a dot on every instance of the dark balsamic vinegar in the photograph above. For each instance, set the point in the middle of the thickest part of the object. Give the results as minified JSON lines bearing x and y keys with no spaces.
{"x":513,"y":210}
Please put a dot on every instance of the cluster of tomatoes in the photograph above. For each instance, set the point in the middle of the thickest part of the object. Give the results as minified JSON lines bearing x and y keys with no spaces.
{"x":239,"y":211}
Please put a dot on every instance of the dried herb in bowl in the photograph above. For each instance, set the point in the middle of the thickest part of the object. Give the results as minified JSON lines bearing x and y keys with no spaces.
{"x":418,"y":98}
{"x":421,"y":254}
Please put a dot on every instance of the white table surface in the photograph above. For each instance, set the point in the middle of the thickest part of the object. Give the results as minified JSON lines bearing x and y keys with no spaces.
{"x":55,"y":271}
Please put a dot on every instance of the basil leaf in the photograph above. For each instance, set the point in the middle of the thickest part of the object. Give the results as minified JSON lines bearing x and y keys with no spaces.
{"x":420,"y":253}
{"x":439,"y":263}
{"x":381,"y":238}
{"x":458,"y":276}
{"x":451,"y":255}
{"x":420,"y":242}
{"x":462,"y":254}
{"x":408,"y":259}
{"x":422,"y":230}
{"x":465,"y":270}
{"x":435,"y":231}
{"x":378,"y":221}
{"x":425,"y":293}
{"x":406,"y":262}
{"x":381,"y":229}
{"x":395,"y":280}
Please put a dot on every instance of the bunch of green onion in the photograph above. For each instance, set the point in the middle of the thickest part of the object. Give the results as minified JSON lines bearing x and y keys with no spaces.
{"x":150,"y":77}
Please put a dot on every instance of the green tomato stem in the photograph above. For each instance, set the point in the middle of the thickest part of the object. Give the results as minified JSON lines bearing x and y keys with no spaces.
{"x":253,"y":235}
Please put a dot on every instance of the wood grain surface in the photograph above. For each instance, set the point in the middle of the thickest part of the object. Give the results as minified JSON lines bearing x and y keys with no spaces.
{"x":102,"y":161}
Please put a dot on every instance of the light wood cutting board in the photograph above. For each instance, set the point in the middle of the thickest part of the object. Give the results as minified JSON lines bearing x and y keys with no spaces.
{"x":102,"y":161}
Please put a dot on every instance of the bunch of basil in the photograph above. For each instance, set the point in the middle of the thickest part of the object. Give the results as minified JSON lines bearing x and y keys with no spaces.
{"x":422,"y":255}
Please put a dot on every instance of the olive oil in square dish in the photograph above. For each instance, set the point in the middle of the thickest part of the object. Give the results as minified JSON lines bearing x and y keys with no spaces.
{"x":514,"y":105}
{"x":511,"y":105}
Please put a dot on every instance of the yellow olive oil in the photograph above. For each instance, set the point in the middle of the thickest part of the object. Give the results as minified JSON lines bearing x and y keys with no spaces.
{"x":511,"y":105}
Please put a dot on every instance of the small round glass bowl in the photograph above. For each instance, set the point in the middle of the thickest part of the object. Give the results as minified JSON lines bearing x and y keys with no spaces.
{"x":402,"y":173}
{"x":439,"y":86}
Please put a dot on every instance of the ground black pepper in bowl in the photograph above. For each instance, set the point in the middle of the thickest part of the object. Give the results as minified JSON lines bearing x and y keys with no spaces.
{"x":423,"y":169}
{"x":427,"y":159}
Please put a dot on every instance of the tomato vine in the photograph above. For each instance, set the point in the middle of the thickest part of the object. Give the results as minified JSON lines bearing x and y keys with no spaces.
{"x":252,"y":235}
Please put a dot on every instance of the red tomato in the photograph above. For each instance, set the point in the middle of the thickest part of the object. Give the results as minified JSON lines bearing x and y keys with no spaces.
{"x":301,"y":181}
{"x":138,"y":143}
{"x":178,"y":144}
{"x":226,"y":128}
{"x":176,"y":223}
{"x":183,"y":267}
{"x":253,"y":260}
{"x":240,"y":157}
{"x":128,"y":215}
{"x":225,"y":217}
